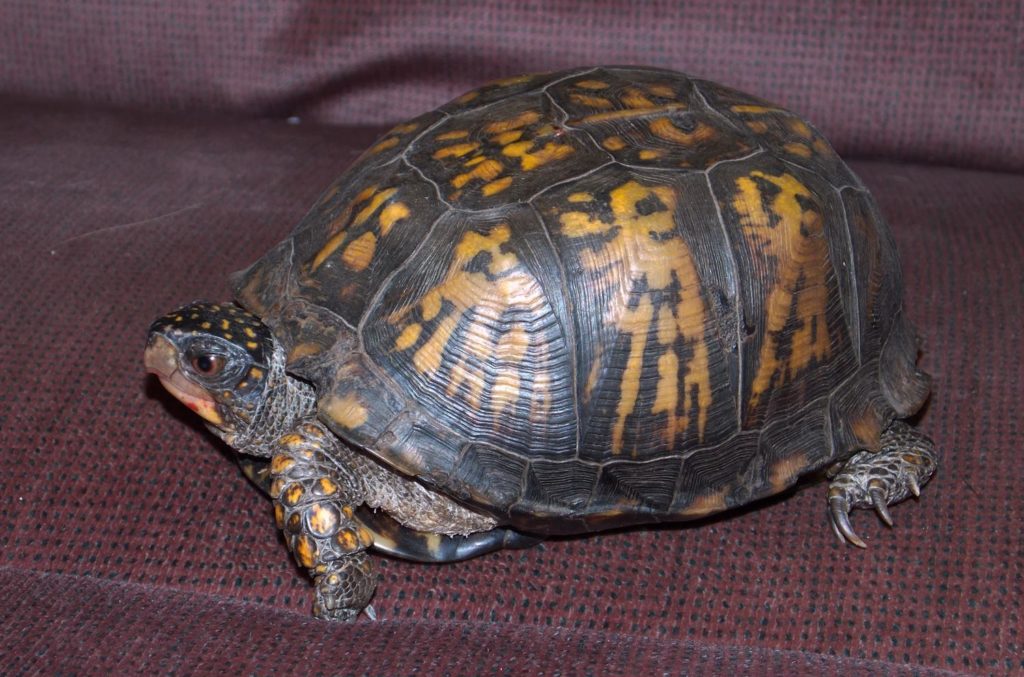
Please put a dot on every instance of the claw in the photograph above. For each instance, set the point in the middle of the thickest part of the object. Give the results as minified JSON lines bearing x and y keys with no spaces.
{"x":915,"y":488}
{"x":841,"y":520}
{"x":878,"y":499}
{"x":370,"y":613}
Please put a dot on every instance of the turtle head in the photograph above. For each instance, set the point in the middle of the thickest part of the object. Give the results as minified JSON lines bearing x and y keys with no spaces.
{"x":217,"y":359}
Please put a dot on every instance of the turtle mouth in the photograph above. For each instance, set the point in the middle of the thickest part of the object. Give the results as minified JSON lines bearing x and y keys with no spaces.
{"x":161,"y":358}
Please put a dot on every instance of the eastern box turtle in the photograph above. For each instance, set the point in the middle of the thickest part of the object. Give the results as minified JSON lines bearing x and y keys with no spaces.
{"x":558,"y":304}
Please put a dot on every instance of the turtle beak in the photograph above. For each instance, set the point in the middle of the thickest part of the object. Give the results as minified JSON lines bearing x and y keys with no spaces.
{"x":161,"y":358}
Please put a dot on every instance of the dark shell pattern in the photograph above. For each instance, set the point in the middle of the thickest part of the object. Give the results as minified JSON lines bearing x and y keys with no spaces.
{"x":584,"y":299}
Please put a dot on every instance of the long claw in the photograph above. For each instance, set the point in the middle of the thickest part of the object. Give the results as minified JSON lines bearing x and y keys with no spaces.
{"x":878,"y":499}
{"x":370,"y":613}
{"x":835,"y":530}
{"x":915,"y":488}
{"x":841,"y":519}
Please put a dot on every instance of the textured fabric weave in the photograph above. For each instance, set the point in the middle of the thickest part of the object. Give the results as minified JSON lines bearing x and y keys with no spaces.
{"x":130,"y":541}
{"x":942,"y":82}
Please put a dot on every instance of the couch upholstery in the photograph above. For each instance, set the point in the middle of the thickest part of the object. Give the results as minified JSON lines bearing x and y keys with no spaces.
{"x":145,"y":156}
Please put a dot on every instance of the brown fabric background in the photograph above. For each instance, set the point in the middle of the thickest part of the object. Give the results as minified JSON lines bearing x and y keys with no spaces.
{"x":129,"y":538}
{"x":129,"y":542}
{"x":942,"y":82}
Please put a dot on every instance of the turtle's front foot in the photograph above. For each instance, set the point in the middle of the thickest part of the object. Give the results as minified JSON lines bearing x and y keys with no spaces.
{"x":345,"y":588}
{"x":314,"y":505}
{"x":905,"y":463}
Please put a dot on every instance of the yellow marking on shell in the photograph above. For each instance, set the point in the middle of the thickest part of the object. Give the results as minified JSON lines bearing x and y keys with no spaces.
{"x":486,"y":296}
{"x":365,"y":537}
{"x":375,"y":202}
{"x":252,"y":345}
{"x":634,"y":98}
{"x":801,"y":149}
{"x":495,"y":187}
{"x":205,"y":325}
{"x":453,"y":135}
{"x":651,"y":153}
{"x":580,"y":197}
{"x":328,"y":487}
{"x":628,"y":114}
{"x":706,"y":504}
{"x":405,"y":128}
{"x":527,"y":117}
{"x":256,"y":373}
{"x":746,"y":108}
{"x":376,"y":199}
{"x":249,"y":332}
{"x":365,"y":194}
{"x":613,"y":143}
{"x":785,"y":472}
{"x":792,"y":237}
{"x":179,"y":318}
{"x":664,"y":91}
{"x":390,"y":215}
{"x":407,"y":339}
{"x":506,"y":138}
{"x":383,"y":145}
{"x":821,"y":146}
{"x":305,"y":551}
{"x":225,"y":324}
{"x":279,"y":515}
{"x":643,"y":249}
{"x":511,"y":349}
{"x":591,"y":84}
{"x":359,"y":253}
{"x":430,"y":304}
{"x":467,"y":97}
{"x":228,"y":335}
{"x":663,"y":128}
{"x":487,"y":170}
{"x":456,"y":150}
{"x":474,"y":161}
{"x":347,"y":410}
{"x":757,"y":126}
{"x":591,"y":101}
{"x":800,"y":128}
{"x":528,"y":160}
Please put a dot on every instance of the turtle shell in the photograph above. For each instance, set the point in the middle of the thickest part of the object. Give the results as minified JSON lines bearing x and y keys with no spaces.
{"x":599,"y":297}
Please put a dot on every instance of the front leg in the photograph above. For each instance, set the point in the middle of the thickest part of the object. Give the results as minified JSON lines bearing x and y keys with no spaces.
{"x":314,"y":504}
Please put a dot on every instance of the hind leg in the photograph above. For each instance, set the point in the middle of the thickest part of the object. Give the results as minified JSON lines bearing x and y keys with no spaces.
{"x":905,"y":463}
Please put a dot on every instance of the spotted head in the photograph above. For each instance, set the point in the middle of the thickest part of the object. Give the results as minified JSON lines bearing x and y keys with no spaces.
{"x":217,"y":359}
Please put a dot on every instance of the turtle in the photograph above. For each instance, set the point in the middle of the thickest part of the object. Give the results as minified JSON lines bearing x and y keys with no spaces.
{"x":559,"y":304}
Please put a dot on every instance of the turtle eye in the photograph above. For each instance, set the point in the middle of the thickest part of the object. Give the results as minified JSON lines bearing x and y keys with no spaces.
{"x":207,"y":364}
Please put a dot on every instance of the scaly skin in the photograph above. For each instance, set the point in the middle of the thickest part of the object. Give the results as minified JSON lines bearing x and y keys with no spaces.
{"x":314,"y":505}
{"x":904,"y":464}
